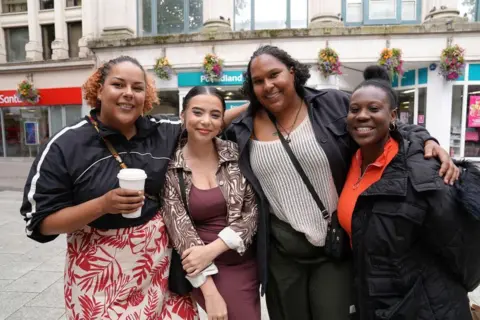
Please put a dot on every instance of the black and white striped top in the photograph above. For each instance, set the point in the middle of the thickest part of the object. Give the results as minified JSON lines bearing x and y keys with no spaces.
{"x":288,"y":196}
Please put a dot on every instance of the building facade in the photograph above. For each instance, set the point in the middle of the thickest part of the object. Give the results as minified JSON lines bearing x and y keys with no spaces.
{"x":185,"y":30}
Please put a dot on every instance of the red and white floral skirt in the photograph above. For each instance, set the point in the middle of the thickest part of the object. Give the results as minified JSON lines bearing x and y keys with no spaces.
{"x":122,"y":274}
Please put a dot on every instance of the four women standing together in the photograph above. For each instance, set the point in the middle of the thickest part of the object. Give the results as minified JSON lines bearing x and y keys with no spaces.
{"x":218,"y":198}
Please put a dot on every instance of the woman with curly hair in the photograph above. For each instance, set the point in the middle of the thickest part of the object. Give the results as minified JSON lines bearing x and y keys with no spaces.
{"x":117,"y":266}
{"x":302,"y":282}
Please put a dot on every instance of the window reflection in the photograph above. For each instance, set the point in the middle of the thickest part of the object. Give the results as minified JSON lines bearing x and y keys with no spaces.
{"x":270,"y":14}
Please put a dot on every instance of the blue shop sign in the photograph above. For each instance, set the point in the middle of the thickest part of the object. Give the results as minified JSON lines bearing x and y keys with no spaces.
{"x":192,"y":79}
{"x":233,"y":104}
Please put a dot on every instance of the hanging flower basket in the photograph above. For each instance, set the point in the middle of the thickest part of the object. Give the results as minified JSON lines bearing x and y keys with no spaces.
{"x":452,"y":63}
{"x":212,"y":67}
{"x":26,"y":92}
{"x":391,"y":59}
{"x":163,"y":69}
{"x":329,"y":62}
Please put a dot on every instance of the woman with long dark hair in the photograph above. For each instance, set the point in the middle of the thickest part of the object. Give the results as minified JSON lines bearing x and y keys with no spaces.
{"x":213,"y":226}
{"x":301,"y":281}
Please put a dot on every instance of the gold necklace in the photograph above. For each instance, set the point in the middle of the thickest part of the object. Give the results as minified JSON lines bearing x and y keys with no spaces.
{"x":287,"y":138}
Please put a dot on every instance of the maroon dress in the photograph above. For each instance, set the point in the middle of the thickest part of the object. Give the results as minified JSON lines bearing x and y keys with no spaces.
{"x":237,"y":279}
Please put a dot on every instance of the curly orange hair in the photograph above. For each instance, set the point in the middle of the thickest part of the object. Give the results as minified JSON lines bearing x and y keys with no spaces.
{"x":93,"y":83}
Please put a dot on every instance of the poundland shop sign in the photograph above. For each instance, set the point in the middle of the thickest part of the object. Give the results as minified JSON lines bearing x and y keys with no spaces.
{"x":192,"y":79}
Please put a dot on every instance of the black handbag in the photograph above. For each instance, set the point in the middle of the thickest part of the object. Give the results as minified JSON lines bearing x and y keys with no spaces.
{"x":177,"y":281}
{"x":336,"y":241}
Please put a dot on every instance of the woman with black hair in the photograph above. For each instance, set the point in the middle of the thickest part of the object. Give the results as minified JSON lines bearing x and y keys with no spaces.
{"x":303,"y":282}
{"x":213,"y":226}
{"x":412,"y":238}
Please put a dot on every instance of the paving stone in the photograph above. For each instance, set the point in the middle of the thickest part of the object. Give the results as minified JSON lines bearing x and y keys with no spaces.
{"x":34,"y":281}
{"x":15,"y":271}
{"x":54,"y":264}
{"x":52,"y":297}
{"x":10,"y":302}
{"x":32,"y":313}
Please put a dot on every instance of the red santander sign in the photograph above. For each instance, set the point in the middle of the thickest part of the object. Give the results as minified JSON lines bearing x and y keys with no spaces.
{"x":48,"y":97}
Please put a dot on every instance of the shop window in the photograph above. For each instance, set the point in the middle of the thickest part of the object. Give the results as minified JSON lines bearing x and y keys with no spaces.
{"x":406,"y":107}
{"x":422,"y":107}
{"x":472,"y":128}
{"x":61,"y":116}
{"x":270,"y":14}
{"x":16,"y":39}
{"x":371,"y":12}
{"x":74,"y":3}
{"x":170,"y":17}
{"x":46,"y":4}
{"x":456,"y":122}
{"x":74,"y":35}
{"x":48,"y":36}
{"x":26,"y":128}
{"x":10,"y":6}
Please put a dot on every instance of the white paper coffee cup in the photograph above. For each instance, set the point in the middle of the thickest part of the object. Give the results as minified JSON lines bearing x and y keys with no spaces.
{"x":132,"y":179}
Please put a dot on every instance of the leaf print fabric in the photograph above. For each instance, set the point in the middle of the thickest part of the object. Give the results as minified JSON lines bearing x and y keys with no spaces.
{"x":122,"y":274}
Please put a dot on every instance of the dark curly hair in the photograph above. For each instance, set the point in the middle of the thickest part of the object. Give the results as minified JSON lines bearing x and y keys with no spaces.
{"x":377,"y":76}
{"x":93,"y":83}
{"x":302,"y":72}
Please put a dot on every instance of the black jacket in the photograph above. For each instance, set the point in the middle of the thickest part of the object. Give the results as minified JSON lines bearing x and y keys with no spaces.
{"x":75,"y":166}
{"x":416,"y":250}
{"x":327,"y":110}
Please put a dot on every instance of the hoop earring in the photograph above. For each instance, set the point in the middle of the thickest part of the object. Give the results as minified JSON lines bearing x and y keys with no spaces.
{"x":392,"y":126}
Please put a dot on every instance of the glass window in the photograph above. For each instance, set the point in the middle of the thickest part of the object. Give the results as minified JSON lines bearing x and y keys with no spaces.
{"x":405,"y":111}
{"x":468,"y":9}
{"x":56,"y":119}
{"x":9,"y":6}
{"x":2,"y":137}
{"x":175,"y":16}
{"x":409,"y":10}
{"x":243,"y":15}
{"x":48,"y":36}
{"x":396,"y":11}
{"x":74,"y":3}
{"x":298,"y":13}
{"x":382,"y":9}
{"x":16,"y":39}
{"x":195,"y":15}
{"x":170,"y":16}
{"x":72,"y":114}
{"x":270,"y":14}
{"x":25,"y":129}
{"x":146,"y":16}
{"x":46,"y":4}
{"x":354,"y":11}
{"x":422,"y":107}
{"x":456,"y":122}
{"x":472,"y":129}
{"x":74,"y":35}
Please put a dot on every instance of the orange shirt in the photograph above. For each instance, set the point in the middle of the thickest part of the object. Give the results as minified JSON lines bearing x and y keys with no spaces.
{"x":357,"y":183}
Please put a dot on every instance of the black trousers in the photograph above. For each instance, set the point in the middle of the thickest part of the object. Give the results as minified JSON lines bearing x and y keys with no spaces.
{"x":307,"y":289}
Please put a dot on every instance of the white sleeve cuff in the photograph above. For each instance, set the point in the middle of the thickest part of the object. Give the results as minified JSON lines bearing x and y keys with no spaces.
{"x":200,"y":279}
{"x":232,"y":240}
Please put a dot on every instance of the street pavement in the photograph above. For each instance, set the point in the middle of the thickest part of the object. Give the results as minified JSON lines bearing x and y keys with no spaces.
{"x":31,"y":274}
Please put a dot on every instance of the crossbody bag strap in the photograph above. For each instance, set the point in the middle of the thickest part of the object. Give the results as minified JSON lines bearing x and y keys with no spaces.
{"x":108,"y":144}
{"x":183,"y":192}
{"x":299,"y":169}
{"x":116,"y":156}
